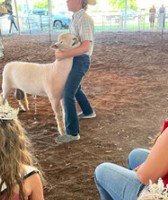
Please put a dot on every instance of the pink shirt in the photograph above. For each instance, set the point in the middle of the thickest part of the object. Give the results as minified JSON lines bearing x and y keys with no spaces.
{"x":165,"y":178}
{"x":3,"y":197}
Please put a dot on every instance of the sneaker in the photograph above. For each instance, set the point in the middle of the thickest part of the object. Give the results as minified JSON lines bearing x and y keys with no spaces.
{"x":66,"y":138}
{"x":82,"y":116}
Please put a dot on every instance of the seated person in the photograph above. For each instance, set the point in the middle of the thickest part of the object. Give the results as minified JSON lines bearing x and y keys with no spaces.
{"x":118,"y":183}
{"x":19,"y":178}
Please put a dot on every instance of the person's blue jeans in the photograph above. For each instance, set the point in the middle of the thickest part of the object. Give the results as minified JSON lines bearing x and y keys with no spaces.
{"x":118,"y":183}
{"x":72,"y":91}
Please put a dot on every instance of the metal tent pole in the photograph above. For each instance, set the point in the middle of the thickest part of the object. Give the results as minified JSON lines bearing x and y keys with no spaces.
{"x":27,"y":8}
{"x":125,"y":15}
{"x":17,"y":16}
{"x":49,"y":18}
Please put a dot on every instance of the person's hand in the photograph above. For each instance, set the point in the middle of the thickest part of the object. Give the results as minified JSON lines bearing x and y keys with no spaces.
{"x":136,"y":169}
{"x":59,"y":54}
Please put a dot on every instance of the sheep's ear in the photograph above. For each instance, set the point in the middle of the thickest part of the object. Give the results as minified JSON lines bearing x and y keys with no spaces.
{"x":76,"y":41}
{"x":54,"y":46}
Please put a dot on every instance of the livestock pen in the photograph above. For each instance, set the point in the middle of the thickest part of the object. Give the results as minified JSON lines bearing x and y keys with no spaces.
{"x":127,"y":86}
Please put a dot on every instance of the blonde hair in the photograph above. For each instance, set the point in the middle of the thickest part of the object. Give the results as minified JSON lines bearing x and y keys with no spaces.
{"x":14,"y":154}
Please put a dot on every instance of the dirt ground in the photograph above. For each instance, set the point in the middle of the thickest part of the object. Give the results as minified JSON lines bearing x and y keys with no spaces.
{"x":128,"y":88}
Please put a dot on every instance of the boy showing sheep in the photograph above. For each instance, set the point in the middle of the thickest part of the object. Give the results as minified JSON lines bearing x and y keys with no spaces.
{"x":41,"y":79}
{"x":82,"y":25}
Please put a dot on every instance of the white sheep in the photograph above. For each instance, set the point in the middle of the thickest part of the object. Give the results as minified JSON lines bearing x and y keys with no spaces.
{"x":41,"y":79}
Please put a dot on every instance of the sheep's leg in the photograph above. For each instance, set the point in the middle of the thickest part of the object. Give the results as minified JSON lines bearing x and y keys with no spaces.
{"x":2,"y":99}
{"x":22,"y":99}
{"x":58,"y":115}
{"x":23,"y":104}
{"x":5,"y":91}
{"x":60,"y":123}
{"x":63,"y":110}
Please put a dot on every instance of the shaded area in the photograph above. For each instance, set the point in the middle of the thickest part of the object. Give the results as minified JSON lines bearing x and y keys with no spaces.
{"x":127,"y":85}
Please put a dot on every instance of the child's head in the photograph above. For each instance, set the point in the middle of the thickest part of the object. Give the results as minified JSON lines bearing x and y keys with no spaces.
{"x":86,"y":2}
{"x":14,"y":150}
{"x":14,"y":144}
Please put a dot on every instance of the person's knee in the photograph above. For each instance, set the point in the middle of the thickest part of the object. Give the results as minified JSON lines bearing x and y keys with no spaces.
{"x":100,"y":171}
{"x":133,"y":156}
{"x":137,"y":157}
{"x":134,"y":153}
{"x":99,"y":168}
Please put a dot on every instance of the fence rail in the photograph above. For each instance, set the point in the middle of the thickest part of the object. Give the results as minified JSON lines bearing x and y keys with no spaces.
{"x":103,"y":22}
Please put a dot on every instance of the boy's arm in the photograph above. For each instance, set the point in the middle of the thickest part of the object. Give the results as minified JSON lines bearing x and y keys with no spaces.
{"x":83,"y":48}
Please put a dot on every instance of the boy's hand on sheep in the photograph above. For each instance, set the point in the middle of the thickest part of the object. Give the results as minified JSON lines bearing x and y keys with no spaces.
{"x":59,"y":54}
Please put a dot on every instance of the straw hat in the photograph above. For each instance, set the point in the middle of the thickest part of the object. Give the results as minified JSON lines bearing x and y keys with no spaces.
{"x":91,"y":2}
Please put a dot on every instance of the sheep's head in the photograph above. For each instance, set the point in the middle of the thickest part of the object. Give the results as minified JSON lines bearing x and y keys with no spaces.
{"x":66,"y":41}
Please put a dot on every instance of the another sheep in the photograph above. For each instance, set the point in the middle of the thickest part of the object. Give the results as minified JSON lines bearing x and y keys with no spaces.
{"x":41,"y":79}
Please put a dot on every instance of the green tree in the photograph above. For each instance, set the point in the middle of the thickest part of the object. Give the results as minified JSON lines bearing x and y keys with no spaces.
{"x":121,"y":4}
{"x":41,"y":4}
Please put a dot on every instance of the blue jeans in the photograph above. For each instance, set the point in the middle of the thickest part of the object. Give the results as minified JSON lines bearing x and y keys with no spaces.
{"x":72,"y":91}
{"x":118,"y":183}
